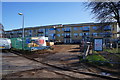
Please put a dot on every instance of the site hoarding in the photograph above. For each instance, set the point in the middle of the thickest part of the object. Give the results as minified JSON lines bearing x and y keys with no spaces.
{"x":30,"y":43}
{"x":98,"y":44}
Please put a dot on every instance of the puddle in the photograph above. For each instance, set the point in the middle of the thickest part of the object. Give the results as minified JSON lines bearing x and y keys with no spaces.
{"x":105,"y":73}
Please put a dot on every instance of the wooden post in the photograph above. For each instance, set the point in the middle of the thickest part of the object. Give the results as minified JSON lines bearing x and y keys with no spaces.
{"x":88,"y":47}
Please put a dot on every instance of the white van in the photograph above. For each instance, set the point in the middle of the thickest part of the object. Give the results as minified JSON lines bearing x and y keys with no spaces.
{"x":5,"y":43}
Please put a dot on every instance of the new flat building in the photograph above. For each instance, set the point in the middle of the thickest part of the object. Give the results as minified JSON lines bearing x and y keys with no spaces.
{"x":48,"y":31}
{"x":74,"y":33}
{"x":71,"y":33}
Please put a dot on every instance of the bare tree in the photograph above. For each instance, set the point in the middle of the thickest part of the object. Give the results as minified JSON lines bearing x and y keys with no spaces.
{"x":105,"y":11}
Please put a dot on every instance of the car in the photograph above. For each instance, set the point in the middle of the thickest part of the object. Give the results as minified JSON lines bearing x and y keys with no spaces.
{"x":5,"y":43}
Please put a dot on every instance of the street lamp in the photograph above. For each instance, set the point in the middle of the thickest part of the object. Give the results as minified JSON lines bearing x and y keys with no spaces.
{"x":23,"y":30}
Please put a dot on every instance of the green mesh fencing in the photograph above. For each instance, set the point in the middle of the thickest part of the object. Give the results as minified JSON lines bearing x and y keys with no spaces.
{"x":30,"y":43}
{"x":18,"y":42}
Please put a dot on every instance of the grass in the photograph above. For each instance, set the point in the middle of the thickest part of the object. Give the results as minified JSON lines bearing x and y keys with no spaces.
{"x":113,"y":50}
{"x":95,"y":52}
{"x":97,"y":60}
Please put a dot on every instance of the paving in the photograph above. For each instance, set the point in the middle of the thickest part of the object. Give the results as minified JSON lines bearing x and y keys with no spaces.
{"x":12,"y":63}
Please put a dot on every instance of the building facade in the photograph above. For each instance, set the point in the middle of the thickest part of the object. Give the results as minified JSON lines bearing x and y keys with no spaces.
{"x":70,"y":33}
{"x":1,"y":31}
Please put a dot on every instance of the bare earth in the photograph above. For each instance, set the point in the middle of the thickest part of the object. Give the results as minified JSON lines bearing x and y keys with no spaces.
{"x":62,"y":56}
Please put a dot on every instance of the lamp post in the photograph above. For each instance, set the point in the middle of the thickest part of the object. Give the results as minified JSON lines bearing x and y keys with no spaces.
{"x":22,"y":30}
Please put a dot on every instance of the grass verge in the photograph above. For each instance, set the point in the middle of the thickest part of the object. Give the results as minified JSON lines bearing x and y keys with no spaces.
{"x":113,"y":50}
{"x":97,"y":60}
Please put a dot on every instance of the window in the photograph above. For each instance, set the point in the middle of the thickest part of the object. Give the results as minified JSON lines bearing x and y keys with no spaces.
{"x":47,"y":30}
{"x":108,"y":33}
{"x":62,"y":34}
{"x":15,"y":31}
{"x":20,"y":31}
{"x":30,"y":31}
{"x":34,"y":31}
{"x":5,"y":32}
{"x":81,"y":28}
{"x":87,"y":34}
{"x":94,"y":34}
{"x":40,"y":34}
{"x":67,"y":29}
{"x":51,"y":35}
{"x":81,"y":34}
{"x":26,"y":31}
{"x":58,"y":30}
{"x":101,"y":34}
{"x":40,"y":30}
{"x":12,"y":31}
{"x":76,"y":34}
{"x":107,"y":27}
{"x":46,"y":34}
{"x":63,"y":29}
{"x":86,"y":28}
{"x":67,"y":34}
{"x":58,"y":35}
{"x":75,"y":28}
{"x":52,"y":28}
{"x":94,"y":28}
